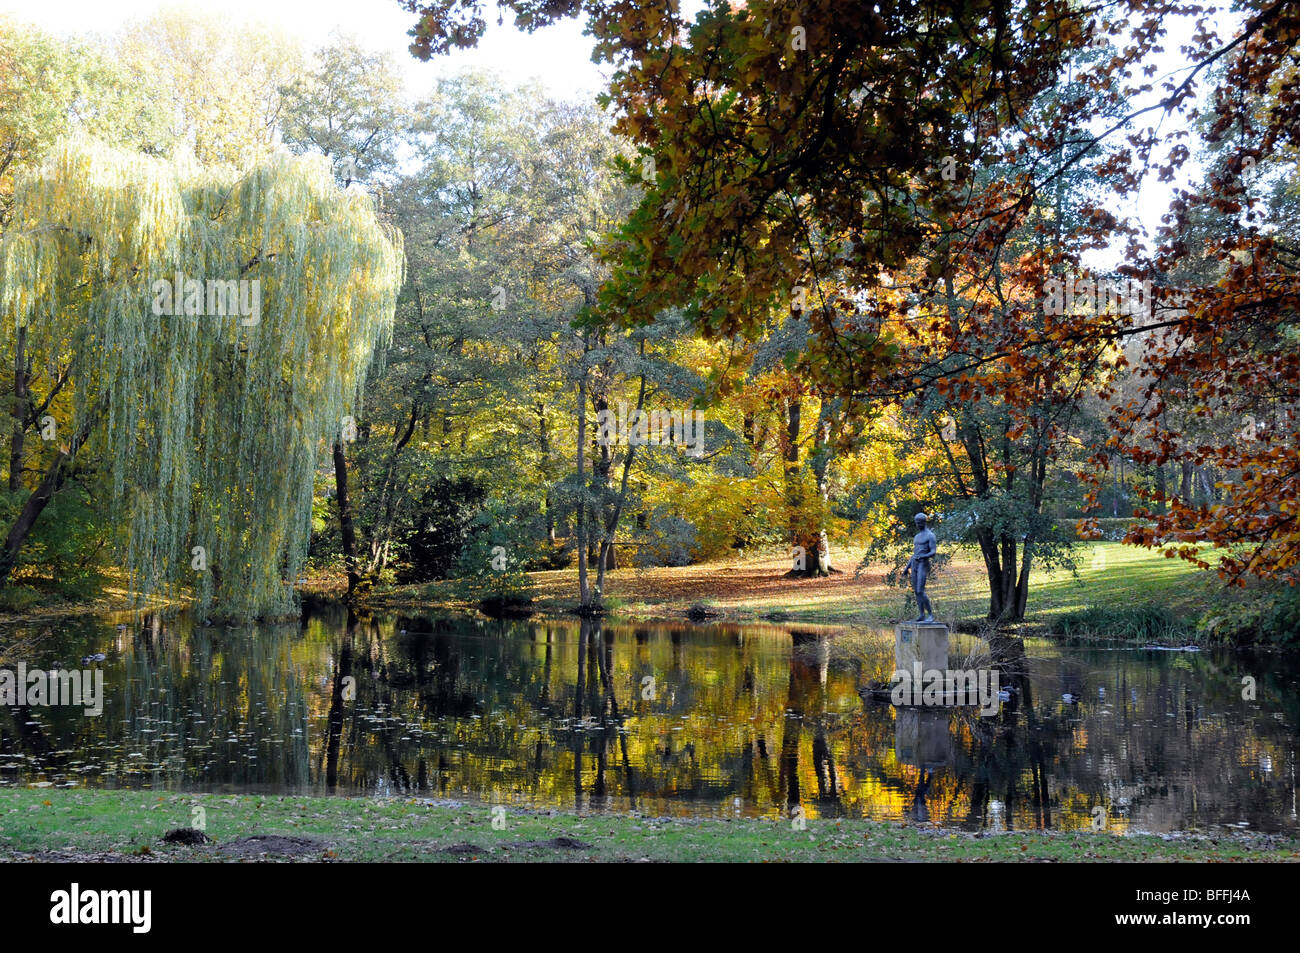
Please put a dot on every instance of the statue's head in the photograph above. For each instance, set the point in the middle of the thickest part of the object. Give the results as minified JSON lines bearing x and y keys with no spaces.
{"x":920,"y":519}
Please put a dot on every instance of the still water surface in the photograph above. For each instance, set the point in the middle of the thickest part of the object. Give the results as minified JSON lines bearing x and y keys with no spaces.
{"x":662,"y":720}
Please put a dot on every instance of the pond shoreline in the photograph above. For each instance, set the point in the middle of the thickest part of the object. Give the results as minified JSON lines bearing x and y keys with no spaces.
{"x":60,"y":825}
{"x":756,"y":589}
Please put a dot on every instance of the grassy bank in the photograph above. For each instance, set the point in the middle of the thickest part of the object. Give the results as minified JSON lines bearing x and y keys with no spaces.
{"x":23,"y":603}
{"x":55,"y":825}
{"x":756,"y":589}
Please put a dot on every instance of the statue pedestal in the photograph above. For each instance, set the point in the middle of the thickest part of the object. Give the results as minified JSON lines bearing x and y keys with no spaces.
{"x":924,"y":642}
{"x":921,"y":736}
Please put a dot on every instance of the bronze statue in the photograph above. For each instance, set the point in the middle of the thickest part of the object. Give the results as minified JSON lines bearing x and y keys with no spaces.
{"x":924,"y":547}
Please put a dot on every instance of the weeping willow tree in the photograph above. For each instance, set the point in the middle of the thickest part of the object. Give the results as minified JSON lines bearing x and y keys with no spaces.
{"x":221,"y":324}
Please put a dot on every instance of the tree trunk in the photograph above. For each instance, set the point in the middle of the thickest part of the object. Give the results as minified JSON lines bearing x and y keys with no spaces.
{"x":584,"y":594}
{"x":1008,"y":590}
{"x":790,"y":454}
{"x":821,"y":463}
{"x":601,"y":465}
{"x":1022,"y":586}
{"x":389,"y":496}
{"x":616,"y":509}
{"x":808,"y":535}
{"x":20,"y":411}
{"x":40,"y":497}
{"x":544,"y":446}
{"x":993,"y":570}
{"x":346,"y":529}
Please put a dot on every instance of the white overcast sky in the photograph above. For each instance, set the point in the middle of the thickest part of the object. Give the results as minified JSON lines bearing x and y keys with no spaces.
{"x":558,"y":56}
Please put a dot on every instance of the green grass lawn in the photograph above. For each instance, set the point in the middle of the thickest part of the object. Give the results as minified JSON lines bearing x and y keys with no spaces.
{"x":1108,"y":574}
{"x":55,"y":825}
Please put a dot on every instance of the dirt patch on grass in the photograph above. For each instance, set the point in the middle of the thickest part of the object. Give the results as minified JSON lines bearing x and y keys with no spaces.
{"x":555,"y":843}
{"x":742,"y":589}
{"x":186,"y":835}
{"x":271,"y":844}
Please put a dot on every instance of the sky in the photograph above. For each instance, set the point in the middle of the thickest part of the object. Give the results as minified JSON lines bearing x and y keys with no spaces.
{"x":558,"y":56}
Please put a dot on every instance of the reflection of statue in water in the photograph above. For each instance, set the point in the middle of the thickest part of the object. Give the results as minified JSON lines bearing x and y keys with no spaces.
{"x":921,"y":810}
{"x":925,"y":546}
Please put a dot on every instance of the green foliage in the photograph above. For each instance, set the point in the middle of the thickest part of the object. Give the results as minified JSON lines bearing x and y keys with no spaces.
{"x":66,"y":553}
{"x":668,"y":541}
{"x":217,"y":84}
{"x":349,"y":108}
{"x":50,"y":87}
{"x":18,"y":598}
{"x":1009,"y":516}
{"x":1267,"y":616}
{"x":490,"y":569}
{"x":897,"y":500}
{"x":442,"y":524}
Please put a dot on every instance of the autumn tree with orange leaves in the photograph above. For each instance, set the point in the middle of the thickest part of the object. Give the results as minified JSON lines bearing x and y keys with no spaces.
{"x":797,"y":152}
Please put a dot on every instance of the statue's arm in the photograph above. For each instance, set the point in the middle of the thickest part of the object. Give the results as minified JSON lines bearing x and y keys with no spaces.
{"x":932,"y":548}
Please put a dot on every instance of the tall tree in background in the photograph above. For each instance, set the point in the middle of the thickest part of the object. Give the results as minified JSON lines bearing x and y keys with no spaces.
{"x":51,"y":87}
{"x":220,"y":83}
{"x":987,"y":417}
{"x":348,"y":108}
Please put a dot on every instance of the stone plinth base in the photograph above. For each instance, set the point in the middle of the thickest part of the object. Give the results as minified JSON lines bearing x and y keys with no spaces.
{"x":924,"y":642}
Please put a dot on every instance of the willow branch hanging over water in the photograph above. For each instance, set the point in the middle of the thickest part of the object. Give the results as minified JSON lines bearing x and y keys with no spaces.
{"x":222,"y":323}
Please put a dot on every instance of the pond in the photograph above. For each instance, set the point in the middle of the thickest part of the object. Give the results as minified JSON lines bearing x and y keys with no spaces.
{"x":663,"y":720}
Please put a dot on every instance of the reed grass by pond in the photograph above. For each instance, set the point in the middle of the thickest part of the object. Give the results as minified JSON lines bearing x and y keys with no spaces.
{"x":62,"y":825}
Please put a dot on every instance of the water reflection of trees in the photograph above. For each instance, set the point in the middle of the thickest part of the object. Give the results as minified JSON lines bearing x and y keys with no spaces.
{"x":763,"y":718}
{"x":184,"y":706}
{"x":557,"y":713}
